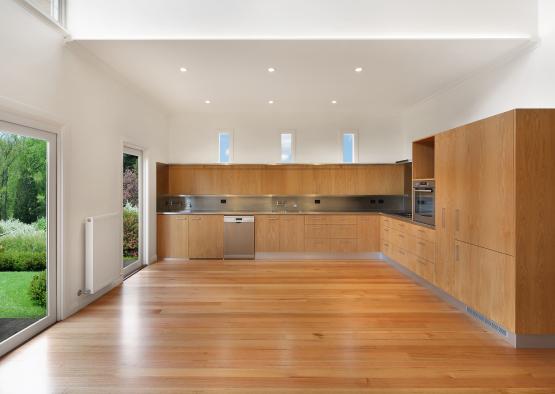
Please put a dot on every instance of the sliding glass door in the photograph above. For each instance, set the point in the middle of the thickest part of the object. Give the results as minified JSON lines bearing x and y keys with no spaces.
{"x":132,"y":253}
{"x":27,"y":233}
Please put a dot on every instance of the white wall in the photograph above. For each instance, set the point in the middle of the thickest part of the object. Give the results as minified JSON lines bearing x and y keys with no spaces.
{"x":527,"y":81}
{"x":298,"y":18}
{"x":194,"y":137}
{"x":99,"y":111}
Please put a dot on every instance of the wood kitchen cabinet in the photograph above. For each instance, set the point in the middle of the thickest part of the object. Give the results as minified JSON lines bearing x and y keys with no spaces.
{"x":445,"y":177}
{"x":291,"y":233}
{"x":368,"y":233}
{"x":173,"y":236}
{"x":267,"y":233}
{"x":206,"y":236}
{"x":486,"y":282}
{"x":485,"y":183}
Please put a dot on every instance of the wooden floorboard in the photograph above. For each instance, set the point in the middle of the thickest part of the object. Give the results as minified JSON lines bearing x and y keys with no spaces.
{"x":272,"y":327}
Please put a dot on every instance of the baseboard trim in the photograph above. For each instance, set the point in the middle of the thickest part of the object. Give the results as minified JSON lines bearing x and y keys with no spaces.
{"x":318,"y":256}
{"x":516,"y":340}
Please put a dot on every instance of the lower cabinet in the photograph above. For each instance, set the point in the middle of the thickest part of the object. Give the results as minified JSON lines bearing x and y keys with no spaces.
{"x":267,"y":233}
{"x":485,"y":280}
{"x":291,"y":233}
{"x":206,"y":236}
{"x":173,"y":236}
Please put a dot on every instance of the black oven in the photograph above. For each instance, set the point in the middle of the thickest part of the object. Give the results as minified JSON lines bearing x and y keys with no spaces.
{"x":423,"y":202}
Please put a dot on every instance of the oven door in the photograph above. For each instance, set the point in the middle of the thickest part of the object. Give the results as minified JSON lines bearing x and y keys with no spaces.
{"x":424,"y":205}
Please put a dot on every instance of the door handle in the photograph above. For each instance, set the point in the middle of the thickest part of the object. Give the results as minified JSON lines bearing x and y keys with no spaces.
{"x":457,"y":219}
{"x":443,"y":217}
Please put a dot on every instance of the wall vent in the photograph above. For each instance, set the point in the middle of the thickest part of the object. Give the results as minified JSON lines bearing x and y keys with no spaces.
{"x":490,"y":323}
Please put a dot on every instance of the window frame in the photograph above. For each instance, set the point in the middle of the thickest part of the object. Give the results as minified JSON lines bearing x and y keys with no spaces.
{"x":59,"y":18}
{"x":355,"y":146}
{"x":231,"y":146}
{"x":293,"y":146}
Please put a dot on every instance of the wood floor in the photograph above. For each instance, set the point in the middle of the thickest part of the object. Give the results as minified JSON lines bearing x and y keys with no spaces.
{"x":272,"y":327}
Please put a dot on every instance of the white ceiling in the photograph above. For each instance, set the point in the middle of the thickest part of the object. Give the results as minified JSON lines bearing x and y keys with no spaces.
{"x":233,"y":74}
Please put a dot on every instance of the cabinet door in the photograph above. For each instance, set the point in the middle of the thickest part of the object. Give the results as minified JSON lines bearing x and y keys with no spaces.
{"x":368,"y":233}
{"x":206,"y":237}
{"x":445,"y":208}
{"x":267,"y":233}
{"x":172,"y":236}
{"x":485,"y":192}
{"x":291,"y":233}
{"x":486,"y":282}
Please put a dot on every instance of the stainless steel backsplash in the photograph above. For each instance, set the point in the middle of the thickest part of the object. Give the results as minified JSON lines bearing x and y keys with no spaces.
{"x":275,"y":203}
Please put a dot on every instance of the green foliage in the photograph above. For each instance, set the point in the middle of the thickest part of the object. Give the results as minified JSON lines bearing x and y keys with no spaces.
{"x":15,"y":301}
{"x":38,"y":289}
{"x":22,"y":156}
{"x":22,"y":247}
{"x":130,"y":231}
{"x":25,"y":206}
{"x":40,"y":224}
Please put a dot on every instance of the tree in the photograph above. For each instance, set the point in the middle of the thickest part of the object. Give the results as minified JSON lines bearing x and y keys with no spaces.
{"x":10,"y":146}
{"x":25,"y":207}
{"x":130,"y":188}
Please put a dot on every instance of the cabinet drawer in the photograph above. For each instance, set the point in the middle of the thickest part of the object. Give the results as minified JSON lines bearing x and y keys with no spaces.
{"x":317,"y":231}
{"x":385,"y":234}
{"x":421,"y":232}
{"x":386,"y":248}
{"x":343,"y":245}
{"x":400,"y":225}
{"x":424,"y":268}
{"x":399,"y":239}
{"x":342,"y":219}
{"x":316,"y":219}
{"x":317,"y":245}
{"x":403,"y":257}
{"x":422,"y":248}
{"x":343,"y":231}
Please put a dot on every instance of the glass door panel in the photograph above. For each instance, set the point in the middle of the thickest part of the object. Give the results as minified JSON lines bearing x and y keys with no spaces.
{"x":27,"y":233}
{"x":132,"y":210}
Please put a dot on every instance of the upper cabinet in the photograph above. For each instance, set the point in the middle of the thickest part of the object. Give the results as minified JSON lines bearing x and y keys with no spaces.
{"x":423,"y":158}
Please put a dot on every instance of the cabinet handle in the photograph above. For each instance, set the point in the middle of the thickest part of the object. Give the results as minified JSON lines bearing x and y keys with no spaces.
{"x":456,"y":252}
{"x":443,"y":217}
{"x":401,"y":236}
{"x":195,"y":218}
{"x":400,"y":251}
{"x":421,"y":261}
{"x":457,"y":214}
{"x":421,"y":243}
{"x":182,"y":219}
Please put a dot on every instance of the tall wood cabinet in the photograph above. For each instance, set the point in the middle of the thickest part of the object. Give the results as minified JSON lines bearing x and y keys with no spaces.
{"x":495,"y":218}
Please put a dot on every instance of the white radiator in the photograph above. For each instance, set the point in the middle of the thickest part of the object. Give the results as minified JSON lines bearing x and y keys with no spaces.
{"x":103,"y":251}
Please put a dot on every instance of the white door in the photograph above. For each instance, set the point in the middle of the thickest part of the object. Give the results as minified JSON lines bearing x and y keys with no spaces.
{"x":28,"y":228}
{"x":132,"y":253}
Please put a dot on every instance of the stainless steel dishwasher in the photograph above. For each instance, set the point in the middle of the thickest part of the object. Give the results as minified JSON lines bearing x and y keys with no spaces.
{"x":238,"y":237}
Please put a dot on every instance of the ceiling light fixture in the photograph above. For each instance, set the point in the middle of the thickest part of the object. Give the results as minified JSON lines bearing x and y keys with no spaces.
{"x":358,"y":69}
{"x":334,"y":101}
{"x":183,"y":69}
{"x":271,"y":69}
{"x":270,"y":101}
{"x":207,"y":102}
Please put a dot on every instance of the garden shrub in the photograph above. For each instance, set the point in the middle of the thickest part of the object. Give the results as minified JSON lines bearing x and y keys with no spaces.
{"x":22,"y":247}
{"x":37,"y":289}
{"x":130,"y":231}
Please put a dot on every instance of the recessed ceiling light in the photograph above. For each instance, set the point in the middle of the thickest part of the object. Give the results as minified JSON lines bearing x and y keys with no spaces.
{"x":183,"y":69}
{"x":271,"y":69}
{"x":207,"y":102}
{"x":270,"y":101}
{"x":358,"y":69}
{"x":334,"y":101}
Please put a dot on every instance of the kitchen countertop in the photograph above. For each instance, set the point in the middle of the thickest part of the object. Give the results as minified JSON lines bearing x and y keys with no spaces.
{"x":241,"y":213}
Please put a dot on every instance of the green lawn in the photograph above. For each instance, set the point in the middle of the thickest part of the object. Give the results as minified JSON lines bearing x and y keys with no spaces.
{"x":14,"y":297}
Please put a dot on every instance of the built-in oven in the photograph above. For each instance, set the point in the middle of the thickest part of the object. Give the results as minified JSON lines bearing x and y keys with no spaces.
{"x":423,"y":202}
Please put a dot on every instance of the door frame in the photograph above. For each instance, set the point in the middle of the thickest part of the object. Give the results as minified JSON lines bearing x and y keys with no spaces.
{"x":53,"y":234}
{"x":141,"y":261}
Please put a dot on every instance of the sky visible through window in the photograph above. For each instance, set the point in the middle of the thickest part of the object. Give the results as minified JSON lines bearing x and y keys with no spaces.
{"x":225,"y":147}
{"x":286,"y":148}
{"x":348,"y":148}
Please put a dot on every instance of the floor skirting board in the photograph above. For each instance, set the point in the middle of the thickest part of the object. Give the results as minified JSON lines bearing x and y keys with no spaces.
{"x":318,"y":256}
{"x":516,"y":340}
